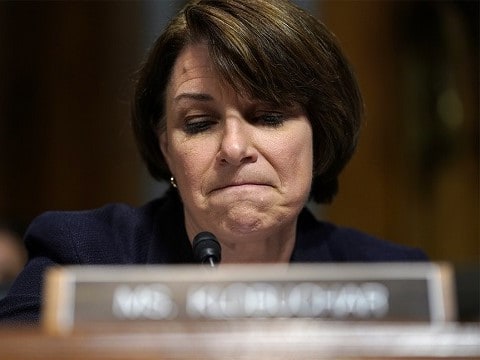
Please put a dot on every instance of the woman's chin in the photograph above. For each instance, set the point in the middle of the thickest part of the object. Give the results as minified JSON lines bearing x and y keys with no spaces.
{"x":251,"y":222}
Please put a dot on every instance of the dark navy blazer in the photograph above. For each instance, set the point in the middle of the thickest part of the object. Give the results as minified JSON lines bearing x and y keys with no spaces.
{"x":155,"y":234}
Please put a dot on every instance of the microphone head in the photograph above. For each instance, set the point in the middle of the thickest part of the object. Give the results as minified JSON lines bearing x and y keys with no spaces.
{"x":206,"y":248}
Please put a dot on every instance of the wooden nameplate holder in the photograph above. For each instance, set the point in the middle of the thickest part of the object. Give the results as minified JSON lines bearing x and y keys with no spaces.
{"x":91,"y":297}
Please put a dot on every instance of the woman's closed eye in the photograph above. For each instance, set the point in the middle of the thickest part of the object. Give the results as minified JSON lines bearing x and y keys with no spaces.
{"x":198,"y":124}
{"x":273,"y":119}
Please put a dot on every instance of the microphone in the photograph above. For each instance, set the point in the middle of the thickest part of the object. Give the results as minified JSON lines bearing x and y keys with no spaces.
{"x":206,"y":249}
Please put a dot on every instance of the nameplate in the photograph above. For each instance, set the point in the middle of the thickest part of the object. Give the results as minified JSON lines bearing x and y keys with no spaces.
{"x":85,"y":297}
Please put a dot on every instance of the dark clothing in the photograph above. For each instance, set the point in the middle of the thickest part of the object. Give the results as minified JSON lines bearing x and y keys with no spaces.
{"x":155,"y":234}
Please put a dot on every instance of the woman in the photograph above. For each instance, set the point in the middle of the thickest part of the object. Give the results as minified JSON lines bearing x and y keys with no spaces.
{"x":249,"y":108}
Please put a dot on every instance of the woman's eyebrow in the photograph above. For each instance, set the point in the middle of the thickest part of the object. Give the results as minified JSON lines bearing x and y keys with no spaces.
{"x":193,"y":96}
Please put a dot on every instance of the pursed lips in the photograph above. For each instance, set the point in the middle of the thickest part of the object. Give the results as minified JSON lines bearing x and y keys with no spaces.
{"x":238,"y":184}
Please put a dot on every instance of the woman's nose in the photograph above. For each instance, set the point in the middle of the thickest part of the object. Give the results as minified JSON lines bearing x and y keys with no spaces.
{"x":236,"y":146}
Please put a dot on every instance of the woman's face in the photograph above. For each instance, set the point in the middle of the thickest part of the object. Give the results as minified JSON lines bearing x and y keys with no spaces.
{"x":242,"y":166}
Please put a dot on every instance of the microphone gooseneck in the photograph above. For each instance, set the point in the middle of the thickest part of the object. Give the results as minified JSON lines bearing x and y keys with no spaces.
{"x":206,"y":249}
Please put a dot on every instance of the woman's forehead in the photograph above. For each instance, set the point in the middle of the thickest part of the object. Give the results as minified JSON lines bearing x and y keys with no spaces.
{"x":197,"y":69}
{"x":192,"y":63}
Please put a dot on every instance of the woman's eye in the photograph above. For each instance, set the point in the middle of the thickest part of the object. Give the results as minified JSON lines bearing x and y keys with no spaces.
{"x":198,"y":125}
{"x":270,"y":119}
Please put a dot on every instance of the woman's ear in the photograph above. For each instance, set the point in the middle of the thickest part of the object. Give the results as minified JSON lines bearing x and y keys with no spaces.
{"x":163,"y":140}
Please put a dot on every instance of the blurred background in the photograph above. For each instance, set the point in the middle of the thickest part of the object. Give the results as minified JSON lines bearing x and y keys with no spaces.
{"x":67,"y":70}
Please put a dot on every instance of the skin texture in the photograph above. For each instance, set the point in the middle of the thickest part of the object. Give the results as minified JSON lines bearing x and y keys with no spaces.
{"x":243,"y":167}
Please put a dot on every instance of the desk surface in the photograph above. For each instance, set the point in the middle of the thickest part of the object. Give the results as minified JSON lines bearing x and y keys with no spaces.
{"x":277,"y":340}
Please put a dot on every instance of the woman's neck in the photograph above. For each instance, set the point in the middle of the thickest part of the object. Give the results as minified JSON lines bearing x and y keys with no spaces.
{"x":276,"y":247}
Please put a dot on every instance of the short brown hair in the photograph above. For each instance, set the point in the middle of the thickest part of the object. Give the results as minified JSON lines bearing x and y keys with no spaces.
{"x":270,"y":50}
